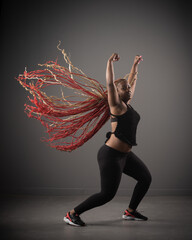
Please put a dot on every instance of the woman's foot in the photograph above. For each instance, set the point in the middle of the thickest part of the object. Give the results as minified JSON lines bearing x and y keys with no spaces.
{"x":73,"y":219}
{"x":134,"y":216}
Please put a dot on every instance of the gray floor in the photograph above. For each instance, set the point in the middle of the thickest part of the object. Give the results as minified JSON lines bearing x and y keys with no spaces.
{"x":40,"y":217}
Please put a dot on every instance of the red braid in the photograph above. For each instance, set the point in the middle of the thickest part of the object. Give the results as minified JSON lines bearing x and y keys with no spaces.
{"x":69,"y":123}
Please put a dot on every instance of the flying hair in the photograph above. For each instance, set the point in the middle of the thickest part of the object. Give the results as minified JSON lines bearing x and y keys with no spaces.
{"x":70,"y":121}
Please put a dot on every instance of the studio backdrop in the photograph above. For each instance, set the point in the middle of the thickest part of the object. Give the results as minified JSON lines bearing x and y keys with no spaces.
{"x":90,"y":31}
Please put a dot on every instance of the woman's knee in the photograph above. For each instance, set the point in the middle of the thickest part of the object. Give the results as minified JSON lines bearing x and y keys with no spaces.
{"x":146,"y":179}
{"x":107,"y":196}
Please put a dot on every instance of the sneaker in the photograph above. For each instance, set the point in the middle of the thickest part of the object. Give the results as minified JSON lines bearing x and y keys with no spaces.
{"x":134,"y":216}
{"x":73,"y":219}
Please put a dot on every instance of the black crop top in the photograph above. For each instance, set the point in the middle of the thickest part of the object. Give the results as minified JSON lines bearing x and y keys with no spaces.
{"x":126,"y":126}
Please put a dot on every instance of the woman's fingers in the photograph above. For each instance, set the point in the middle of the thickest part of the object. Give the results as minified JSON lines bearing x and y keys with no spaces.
{"x":138,"y":59}
{"x":116,"y":57}
{"x":113,"y":57}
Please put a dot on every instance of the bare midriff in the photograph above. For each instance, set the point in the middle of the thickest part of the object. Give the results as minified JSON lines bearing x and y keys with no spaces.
{"x":118,"y":145}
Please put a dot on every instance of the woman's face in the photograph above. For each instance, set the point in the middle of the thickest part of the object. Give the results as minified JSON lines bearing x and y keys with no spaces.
{"x":124,"y":91}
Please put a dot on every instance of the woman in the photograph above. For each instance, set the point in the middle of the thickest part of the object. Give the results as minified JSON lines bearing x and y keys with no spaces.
{"x":115,"y":156}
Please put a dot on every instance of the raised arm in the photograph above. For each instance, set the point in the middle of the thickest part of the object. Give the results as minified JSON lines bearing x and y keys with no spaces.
{"x":113,"y":97}
{"x":132,"y":79}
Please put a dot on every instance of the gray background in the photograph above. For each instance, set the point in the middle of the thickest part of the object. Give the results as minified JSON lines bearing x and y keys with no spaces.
{"x":91,"y":31}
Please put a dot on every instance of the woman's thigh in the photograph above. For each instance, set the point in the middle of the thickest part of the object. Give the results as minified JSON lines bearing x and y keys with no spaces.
{"x":111,"y":168}
{"x":135,"y":167}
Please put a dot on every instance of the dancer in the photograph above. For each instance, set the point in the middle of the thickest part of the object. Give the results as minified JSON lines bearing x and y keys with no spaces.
{"x":115,"y":156}
{"x":77,"y":120}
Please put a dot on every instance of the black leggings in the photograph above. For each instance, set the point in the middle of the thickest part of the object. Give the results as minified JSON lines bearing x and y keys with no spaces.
{"x":112,"y":164}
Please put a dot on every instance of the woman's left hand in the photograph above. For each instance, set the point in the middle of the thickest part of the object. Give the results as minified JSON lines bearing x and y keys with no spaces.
{"x":138,"y":59}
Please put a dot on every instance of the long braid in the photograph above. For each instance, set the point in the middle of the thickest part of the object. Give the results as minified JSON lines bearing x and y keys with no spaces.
{"x":69,"y":122}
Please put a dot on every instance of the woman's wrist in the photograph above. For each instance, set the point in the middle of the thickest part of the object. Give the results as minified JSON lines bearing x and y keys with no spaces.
{"x":134,"y":68}
{"x":133,"y":72}
{"x":135,"y":64}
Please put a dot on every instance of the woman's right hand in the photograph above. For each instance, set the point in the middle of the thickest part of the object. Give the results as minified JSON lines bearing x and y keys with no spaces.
{"x":114,"y":57}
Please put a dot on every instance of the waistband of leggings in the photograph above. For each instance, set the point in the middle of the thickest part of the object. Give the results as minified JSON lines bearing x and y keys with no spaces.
{"x":114,"y":150}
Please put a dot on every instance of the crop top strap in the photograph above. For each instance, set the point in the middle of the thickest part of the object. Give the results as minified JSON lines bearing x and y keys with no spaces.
{"x":113,"y":115}
{"x":114,"y":119}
